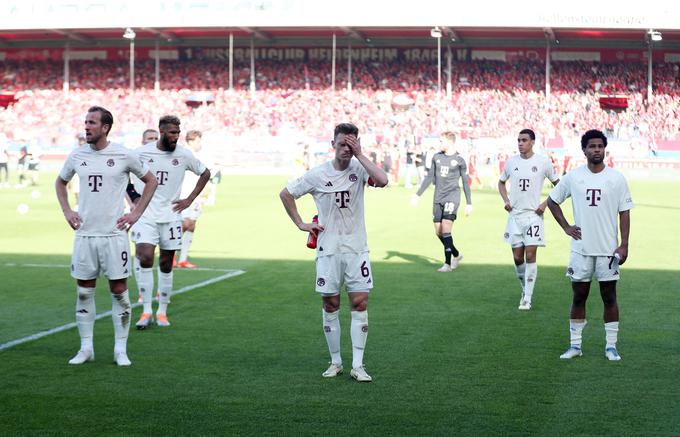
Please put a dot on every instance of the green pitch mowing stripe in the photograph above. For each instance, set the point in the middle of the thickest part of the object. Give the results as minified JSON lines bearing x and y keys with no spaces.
{"x":10,"y":344}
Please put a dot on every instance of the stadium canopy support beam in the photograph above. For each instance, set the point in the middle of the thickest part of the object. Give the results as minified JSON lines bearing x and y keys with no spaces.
{"x":159,"y":33}
{"x":231,"y":61}
{"x":67,"y":60}
{"x":256,"y":33}
{"x":550,"y":38}
{"x":349,"y":67}
{"x":252,"y":63}
{"x":353,"y":33}
{"x":333,"y":63}
{"x":451,"y":34}
{"x":449,"y":85}
{"x":157,"y":78}
{"x":649,"y":72}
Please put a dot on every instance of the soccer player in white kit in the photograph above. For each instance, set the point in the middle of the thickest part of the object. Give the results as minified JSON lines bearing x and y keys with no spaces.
{"x":101,"y":242}
{"x":342,"y":249}
{"x":191,"y":214}
{"x":525,"y":230}
{"x":161,"y":223}
{"x":598,"y":195}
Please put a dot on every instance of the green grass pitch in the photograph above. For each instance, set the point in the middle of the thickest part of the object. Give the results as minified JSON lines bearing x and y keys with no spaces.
{"x":450,"y":353}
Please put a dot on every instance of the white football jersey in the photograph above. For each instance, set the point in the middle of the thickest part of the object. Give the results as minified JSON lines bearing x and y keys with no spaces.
{"x":526,"y":182}
{"x":597,"y":199}
{"x":169,"y":169}
{"x":339,"y":198}
{"x":103,"y":176}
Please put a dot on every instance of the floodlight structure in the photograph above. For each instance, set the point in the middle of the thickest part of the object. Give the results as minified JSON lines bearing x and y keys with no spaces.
{"x":130,"y":35}
{"x":652,"y":36}
{"x":436,"y":32}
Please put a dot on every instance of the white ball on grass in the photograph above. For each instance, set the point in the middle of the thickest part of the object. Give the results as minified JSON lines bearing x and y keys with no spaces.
{"x":36,"y":194}
{"x":22,"y":208}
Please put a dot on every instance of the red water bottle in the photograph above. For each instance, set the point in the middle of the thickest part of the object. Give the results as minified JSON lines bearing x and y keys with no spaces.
{"x":311,"y":240}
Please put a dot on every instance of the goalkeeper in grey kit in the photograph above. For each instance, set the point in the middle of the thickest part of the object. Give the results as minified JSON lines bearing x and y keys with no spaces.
{"x":446,"y":169}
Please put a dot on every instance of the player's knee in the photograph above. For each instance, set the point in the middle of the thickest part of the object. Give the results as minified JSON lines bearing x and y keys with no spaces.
{"x":360,"y":304}
{"x":331,"y":307}
{"x":145,"y":260}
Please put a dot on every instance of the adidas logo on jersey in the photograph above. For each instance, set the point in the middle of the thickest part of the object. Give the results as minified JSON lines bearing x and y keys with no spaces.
{"x":84,"y":164}
{"x":329,"y":184}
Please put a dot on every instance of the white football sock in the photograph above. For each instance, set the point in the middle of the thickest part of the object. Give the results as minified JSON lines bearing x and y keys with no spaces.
{"x":145,"y":284}
{"x":331,"y":329}
{"x":359,"y":333}
{"x":611,"y":332}
{"x":575,"y":330}
{"x":120,"y":313}
{"x":520,"y":269}
{"x":530,"y":280}
{"x":187,"y":238}
{"x":135,"y":270}
{"x":85,"y":315}
{"x":165,"y":289}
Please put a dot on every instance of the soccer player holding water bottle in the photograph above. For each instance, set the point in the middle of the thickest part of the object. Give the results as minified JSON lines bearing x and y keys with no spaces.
{"x":342,"y":250}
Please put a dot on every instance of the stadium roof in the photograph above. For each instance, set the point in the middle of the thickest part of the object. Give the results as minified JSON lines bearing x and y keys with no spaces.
{"x":496,"y":23}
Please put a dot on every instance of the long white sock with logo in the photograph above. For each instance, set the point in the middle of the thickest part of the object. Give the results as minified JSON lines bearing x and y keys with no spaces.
{"x":359,"y":333}
{"x":145,"y":284}
{"x":611,"y":333}
{"x":530,"y":280}
{"x":575,"y":330}
{"x":187,"y":239}
{"x":85,"y":315}
{"x":331,"y":329}
{"x":120,"y":313}
{"x":165,"y":289}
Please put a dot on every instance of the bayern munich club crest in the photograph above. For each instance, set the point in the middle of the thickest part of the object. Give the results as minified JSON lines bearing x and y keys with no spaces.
{"x":110,"y":163}
{"x":321,"y":282}
{"x":353,"y":177}
{"x":534,"y":169}
{"x":175,"y":162}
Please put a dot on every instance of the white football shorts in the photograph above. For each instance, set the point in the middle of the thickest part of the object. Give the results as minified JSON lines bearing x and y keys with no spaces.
{"x":525,"y":231}
{"x":101,"y":255}
{"x":351,"y":269}
{"x":167,"y":236}
{"x":583,"y":267}
{"x":193,"y":212}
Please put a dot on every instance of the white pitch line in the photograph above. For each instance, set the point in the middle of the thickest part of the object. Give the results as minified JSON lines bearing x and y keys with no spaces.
{"x":65,"y":266}
{"x":10,"y":344}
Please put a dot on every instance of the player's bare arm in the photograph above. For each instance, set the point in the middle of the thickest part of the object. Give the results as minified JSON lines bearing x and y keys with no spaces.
{"x":72,"y":218}
{"x":150,"y":185}
{"x":377,"y":175}
{"x":182,"y":204}
{"x":624,"y":224}
{"x":573,"y":231}
{"x":291,"y":208}
{"x":503,"y":190}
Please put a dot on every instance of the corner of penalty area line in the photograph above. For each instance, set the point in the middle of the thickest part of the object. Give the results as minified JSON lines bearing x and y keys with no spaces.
{"x":226,"y":274}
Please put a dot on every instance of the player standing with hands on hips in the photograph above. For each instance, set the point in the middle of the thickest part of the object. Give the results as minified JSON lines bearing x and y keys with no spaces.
{"x":101,"y":243}
{"x":342,"y":249}
{"x":599,"y":195}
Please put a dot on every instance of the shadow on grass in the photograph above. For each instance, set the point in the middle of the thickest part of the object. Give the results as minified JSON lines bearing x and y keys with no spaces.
{"x":450,"y":354}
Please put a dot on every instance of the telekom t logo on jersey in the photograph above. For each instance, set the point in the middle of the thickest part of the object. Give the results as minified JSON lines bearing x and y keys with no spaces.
{"x":94,"y":181}
{"x":593,"y":195}
{"x":162,"y":177}
{"x":523,"y":184}
{"x":342,"y":198}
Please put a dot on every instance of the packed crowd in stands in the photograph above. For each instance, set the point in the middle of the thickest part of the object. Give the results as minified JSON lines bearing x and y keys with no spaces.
{"x":488,"y":99}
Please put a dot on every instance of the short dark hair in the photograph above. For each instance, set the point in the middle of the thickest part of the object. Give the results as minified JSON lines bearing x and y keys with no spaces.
{"x":168,"y":119}
{"x":592,"y":134}
{"x":450,"y":136}
{"x":529,"y":132}
{"x":105,"y":115}
{"x":346,"y":128}
{"x":149,"y":131}
{"x":193,"y":134}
